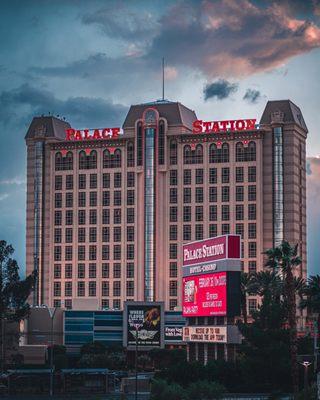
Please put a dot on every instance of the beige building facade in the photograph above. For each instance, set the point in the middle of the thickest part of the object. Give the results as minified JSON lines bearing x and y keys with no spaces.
{"x":106,"y":218}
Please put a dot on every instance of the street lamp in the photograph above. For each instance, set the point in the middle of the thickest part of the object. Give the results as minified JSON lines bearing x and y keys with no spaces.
{"x":306,"y":365}
{"x":51,"y":312}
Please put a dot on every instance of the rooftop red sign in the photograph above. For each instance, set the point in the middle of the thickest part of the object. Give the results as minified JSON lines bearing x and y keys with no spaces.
{"x":92,"y":134}
{"x":200,"y":126}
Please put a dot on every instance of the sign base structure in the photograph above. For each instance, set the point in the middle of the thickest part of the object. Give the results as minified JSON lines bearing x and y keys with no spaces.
{"x":212,"y":334}
{"x":143,"y":325}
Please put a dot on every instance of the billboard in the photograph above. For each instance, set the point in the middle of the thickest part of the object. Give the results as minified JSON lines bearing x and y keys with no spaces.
{"x":205,"y":295}
{"x":146,"y":319}
{"x":212,"y":249}
{"x":172,"y":334}
{"x":212,"y":334}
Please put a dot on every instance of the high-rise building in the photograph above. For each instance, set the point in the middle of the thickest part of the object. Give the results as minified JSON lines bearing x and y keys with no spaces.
{"x":107,"y":216}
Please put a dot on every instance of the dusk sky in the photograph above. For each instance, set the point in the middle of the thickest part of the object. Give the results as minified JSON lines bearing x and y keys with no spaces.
{"x":90,"y":60}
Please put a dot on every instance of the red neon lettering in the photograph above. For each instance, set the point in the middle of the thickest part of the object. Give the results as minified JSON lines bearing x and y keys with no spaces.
{"x":70,"y":134}
{"x":215,"y":127}
{"x":232,"y":125}
{"x":105,"y":133}
{"x":240,"y":125}
{"x":96,"y":134}
{"x":197,"y":126}
{"x":224,"y":125}
{"x":207,"y":126}
{"x":115,"y":132}
{"x":78,"y":135}
{"x":251,"y":123}
{"x":86,"y":134}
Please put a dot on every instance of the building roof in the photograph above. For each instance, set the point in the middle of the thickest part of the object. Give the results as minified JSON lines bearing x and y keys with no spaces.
{"x":174,"y":112}
{"x":47,"y":126}
{"x":292,"y":113}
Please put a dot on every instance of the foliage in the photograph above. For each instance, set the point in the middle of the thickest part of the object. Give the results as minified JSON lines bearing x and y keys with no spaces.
{"x":205,"y":390}
{"x":310,"y":394}
{"x":162,"y":390}
{"x":178,"y":373}
{"x":163,"y":358}
{"x":93,"y":348}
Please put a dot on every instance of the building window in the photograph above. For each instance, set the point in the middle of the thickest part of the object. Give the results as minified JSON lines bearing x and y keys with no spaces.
{"x":161,"y":142}
{"x":117,"y":180}
{"x":57,"y":235}
{"x":112,"y":160}
{"x":239,"y":174}
{"x":82,"y":199}
{"x":106,"y":198}
{"x":68,"y":253}
{"x":173,"y":303}
{"x":173,"y":177}
{"x":252,"y":267}
{"x":219,"y":155}
{"x":213,"y":213}
{"x":173,"y":234}
{"x":240,"y":229}
{"x":69,"y":199}
{"x":117,"y":234}
{"x":245,"y":153}
{"x":68,"y":271}
{"x":173,"y":288}
{"x":57,"y":253}
{"x":130,"y":215}
{"x":81,"y":271}
{"x":193,"y":156}
{"x":106,"y":181}
{"x":92,"y":234}
{"x":93,"y":217}
{"x":92,"y":289}
{"x":130,"y":288}
{"x":173,"y":195}
{"x":58,"y":182}
{"x":56,"y":303}
{"x":105,"y":252}
{"x":225,"y":213}
{"x":68,"y":289}
{"x":199,"y":232}
{"x":82,"y":181}
{"x":88,"y":161}
{"x":105,"y":270}
{"x":68,"y":304}
{"x":225,"y":229}
{"x":69,"y":182}
{"x":252,"y":212}
{"x":187,"y":177}
{"x":63,"y":163}
{"x":57,"y":289}
{"x":199,"y":195}
{"x":239,"y":193}
{"x":57,"y":271}
{"x":116,"y":288}
{"x":93,"y":199}
{"x":252,"y":231}
{"x":213,"y":230}
{"x":117,"y":216}
{"x":58,"y":200}
{"x":130,"y":179}
{"x":130,"y":251}
{"x":213,"y":176}
{"x":130,"y":270}
{"x":173,"y":214}
{"x":199,"y":176}
{"x":173,"y":152}
{"x":93,"y":181}
{"x":92,"y":270}
{"x":252,"y":193}
{"x":130,"y":197}
{"x":139,"y":145}
{"x":239,"y":212}
{"x":187,"y":195}
{"x":117,"y":252}
{"x":69,"y":217}
{"x":57,"y":218}
{"x":105,"y":216}
{"x":173,"y":270}
{"x":186,"y":232}
{"x":225,"y":193}
{"x":199,"y":213}
{"x":116,"y":304}
{"x":252,"y":174}
{"x":130,"y":233}
{"x":252,"y":249}
{"x":82,"y":217}
{"x":186,"y":213}
{"x":225,"y":175}
{"x":252,"y":306}
{"x":81,"y":235}
{"x":117,"y":198}
{"x":105,"y":304}
{"x":105,"y":288}
{"x":173,"y":250}
{"x":81,"y":253}
{"x":81,"y":289}
{"x":213,"y":196}
{"x":130,"y":154}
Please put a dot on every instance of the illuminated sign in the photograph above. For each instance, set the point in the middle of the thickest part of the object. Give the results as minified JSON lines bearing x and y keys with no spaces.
{"x":173,"y":333}
{"x":92,"y":134}
{"x":200,"y":126}
{"x":205,"y":295}
{"x":216,"y":266}
{"x":213,"y":249}
{"x":212,"y":334}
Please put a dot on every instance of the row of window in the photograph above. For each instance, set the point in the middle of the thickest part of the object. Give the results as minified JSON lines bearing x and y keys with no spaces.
{"x":93,"y":181}
{"x":92,"y":252}
{"x":92,"y":234}
{"x":213,"y":175}
{"x":93,"y":217}
{"x":90,"y":271}
{"x":197,"y":211}
{"x":92,"y":289}
{"x":93,"y":199}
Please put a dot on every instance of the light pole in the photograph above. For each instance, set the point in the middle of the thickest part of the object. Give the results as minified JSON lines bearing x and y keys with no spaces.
{"x":137,"y":326}
{"x":52,"y":312}
{"x":306,"y":365}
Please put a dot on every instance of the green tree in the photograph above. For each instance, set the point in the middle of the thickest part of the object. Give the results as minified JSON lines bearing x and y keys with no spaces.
{"x":311,"y":301}
{"x":205,"y":390}
{"x":285,"y":259}
{"x":14,"y":292}
{"x":94,"y":347}
{"x":162,"y":390}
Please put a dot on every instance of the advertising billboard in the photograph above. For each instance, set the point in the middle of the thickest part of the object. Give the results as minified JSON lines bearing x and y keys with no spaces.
{"x":205,"y":295}
{"x":212,"y":249}
{"x":145,"y":319}
{"x":212,"y":334}
{"x":173,"y":334}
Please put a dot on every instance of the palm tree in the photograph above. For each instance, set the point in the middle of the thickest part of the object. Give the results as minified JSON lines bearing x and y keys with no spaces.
{"x":311,"y":301}
{"x":284,"y":259}
{"x":267,"y":284}
{"x":246,"y":289}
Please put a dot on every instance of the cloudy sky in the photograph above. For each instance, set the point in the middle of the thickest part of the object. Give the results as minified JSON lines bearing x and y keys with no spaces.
{"x":89,"y":60}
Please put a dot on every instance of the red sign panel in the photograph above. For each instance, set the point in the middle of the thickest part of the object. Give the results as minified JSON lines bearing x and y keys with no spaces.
{"x":200,"y":126}
{"x":92,"y":134}
{"x":213,"y":249}
{"x":205,"y":295}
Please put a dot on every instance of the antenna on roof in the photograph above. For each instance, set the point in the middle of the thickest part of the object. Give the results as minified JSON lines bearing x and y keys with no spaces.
{"x":162,"y":78}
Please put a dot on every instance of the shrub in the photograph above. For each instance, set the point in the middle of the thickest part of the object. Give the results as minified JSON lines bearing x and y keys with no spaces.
{"x":205,"y":390}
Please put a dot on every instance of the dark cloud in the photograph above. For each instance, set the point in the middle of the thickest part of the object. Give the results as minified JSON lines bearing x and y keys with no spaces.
{"x":220,"y":89}
{"x":313,"y":214}
{"x":26,"y":101}
{"x":252,"y":96}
